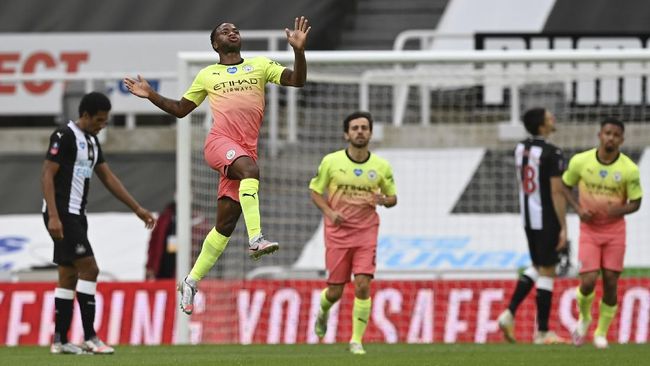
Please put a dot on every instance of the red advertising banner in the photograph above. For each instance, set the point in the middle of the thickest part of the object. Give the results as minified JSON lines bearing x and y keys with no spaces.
{"x":402,"y":311}
{"x":284,"y":311}
{"x":126,"y":313}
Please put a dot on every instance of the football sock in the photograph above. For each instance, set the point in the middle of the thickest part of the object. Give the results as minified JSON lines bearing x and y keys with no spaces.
{"x":360,"y":317}
{"x":213,"y":245}
{"x":544,"y":299}
{"x":584,"y":304}
{"x":63,"y":299}
{"x":607,"y":313}
{"x":86,"y":299}
{"x":524,"y":285}
{"x":250,"y":205}
{"x":325,"y":304}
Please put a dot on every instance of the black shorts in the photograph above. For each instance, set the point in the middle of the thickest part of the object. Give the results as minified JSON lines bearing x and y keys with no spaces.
{"x":75,"y":242}
{"x":541,"y":245}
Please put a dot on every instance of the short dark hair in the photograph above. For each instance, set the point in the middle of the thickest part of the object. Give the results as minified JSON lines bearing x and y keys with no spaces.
{"x":533,"y":119}
{"x":94,"y":102}
{"x":613,"y":121}
{"x":355,"y":115}
{"x":213,"y":35}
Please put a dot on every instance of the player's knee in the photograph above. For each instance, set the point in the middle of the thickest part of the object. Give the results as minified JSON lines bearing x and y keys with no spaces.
{"x":90,"y":274}
{"x":226,"y":226}
{"x":68,"y":280}
{"x":334,"y":293}
{"x":362,"y":290}
{"x":587,"y":286}
{"x":251,"y":171}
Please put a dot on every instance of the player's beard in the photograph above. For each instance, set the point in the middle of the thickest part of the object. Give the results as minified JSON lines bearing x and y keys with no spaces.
{"x":230,"y":47}
{"x":359,"y":144}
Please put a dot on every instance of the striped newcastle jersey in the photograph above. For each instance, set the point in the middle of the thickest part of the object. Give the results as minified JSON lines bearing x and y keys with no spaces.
{"x":77,"y":154}
{"x":537,"y":161}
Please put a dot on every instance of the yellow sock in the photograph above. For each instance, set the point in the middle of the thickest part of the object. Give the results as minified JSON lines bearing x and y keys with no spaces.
{"x":360,"y":317}
{"x":213,"y":246}
{"x":607,"y":314}
{"x":250,"y":205}
{"x":584,"y":304}
{"x":325,"y":304}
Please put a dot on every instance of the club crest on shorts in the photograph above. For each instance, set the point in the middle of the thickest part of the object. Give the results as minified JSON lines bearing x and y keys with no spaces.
{"x":79,"y":249}
{"x":230,"y":154}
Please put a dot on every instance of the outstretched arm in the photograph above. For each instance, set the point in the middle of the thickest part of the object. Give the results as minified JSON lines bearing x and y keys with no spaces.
{"x":115,"y":186}
{"x":142,"y":89}
{"x":297,"y":39}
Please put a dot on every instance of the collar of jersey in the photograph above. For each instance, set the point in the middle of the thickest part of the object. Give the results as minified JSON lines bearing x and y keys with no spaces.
{"x":611,"y":163}
{"x":354,"y":161}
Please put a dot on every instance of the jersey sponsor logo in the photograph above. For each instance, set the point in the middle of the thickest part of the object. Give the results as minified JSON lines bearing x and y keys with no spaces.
{"x":603,"y":173}
{"x":358,"y":172}
{"x":232,"y":69}
{"x":248,"y":68}
{"x":236,"y":85}
{"x":617,"y":177}
{"x":54,"y":149}
{"x":83,"y":168}
{"x":80,"y":249}
{"x":230,"y":154}
{"x":82,"y":145}
{"x":372,"y":175}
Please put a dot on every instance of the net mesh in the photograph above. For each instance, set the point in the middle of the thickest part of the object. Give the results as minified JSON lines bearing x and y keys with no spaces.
{"x":467,"y":226}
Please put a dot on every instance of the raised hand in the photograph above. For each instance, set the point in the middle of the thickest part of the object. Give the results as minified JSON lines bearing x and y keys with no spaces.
{"x":298,"y":36}
{"x":139,"y":87}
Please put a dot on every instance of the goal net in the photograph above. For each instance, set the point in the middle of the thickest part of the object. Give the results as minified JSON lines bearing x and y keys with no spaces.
{"x":451,"y":248}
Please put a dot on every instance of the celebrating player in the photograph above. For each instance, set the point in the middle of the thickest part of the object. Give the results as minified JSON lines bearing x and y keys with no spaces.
{"x":235,"y":89}
{"x":543,"y":210}
{"x":356,"y":182}
{"x":74,"y":153}
{"x":609,"y":188}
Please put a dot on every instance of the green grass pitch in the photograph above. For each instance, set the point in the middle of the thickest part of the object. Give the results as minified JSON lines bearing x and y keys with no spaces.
{"x":337,"y":355}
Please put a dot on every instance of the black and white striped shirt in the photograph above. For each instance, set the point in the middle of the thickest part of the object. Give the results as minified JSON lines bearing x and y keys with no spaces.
{"x":537,"y":161}
{"x":77,"y":154}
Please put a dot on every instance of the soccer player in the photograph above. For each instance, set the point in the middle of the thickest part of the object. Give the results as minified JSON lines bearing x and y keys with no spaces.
{"x":74,"y":153}
{"x":609,"y":188}
{"x":235,"y":89}
{"x":356,"y":182}
{"x":543,"y":210}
